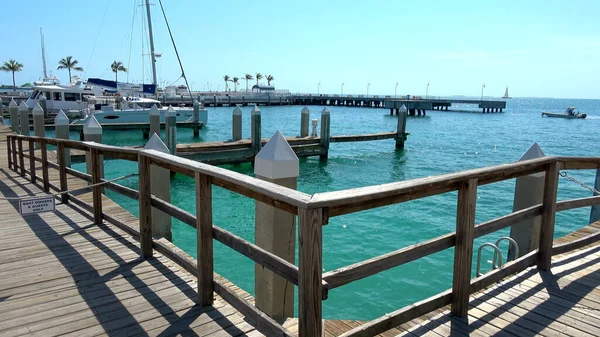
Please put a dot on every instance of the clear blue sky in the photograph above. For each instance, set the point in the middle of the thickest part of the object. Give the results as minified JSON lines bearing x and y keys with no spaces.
{"x":538,"y":48}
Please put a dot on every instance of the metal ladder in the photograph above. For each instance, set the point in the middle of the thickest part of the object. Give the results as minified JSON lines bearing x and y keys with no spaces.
{"x":497,"y":262}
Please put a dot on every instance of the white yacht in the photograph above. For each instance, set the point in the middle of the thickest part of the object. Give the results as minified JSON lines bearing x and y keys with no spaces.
{"x":79,"y":102}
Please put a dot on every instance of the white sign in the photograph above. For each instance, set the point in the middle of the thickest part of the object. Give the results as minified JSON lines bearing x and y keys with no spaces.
{"x":36,"y":205}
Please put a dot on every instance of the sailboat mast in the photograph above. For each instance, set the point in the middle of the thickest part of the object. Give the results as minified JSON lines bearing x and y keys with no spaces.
{"x":43,"y":55}
{"x":152,"y":54}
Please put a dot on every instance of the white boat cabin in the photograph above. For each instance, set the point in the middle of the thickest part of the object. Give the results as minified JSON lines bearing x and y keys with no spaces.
{"x":63,"y":98}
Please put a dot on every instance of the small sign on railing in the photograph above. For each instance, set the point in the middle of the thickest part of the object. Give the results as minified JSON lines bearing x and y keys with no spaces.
{"x":37,"y":205}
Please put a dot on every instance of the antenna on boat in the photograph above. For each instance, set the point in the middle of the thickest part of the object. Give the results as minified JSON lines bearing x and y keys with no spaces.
{"x":152,"y":54}
{"x":43,"y":55}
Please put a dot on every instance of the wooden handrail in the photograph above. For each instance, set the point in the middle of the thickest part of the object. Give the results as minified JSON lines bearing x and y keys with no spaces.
{"x":314,"y":210}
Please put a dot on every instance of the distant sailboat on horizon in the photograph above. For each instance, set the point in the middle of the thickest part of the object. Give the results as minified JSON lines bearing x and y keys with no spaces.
{"x":506,"y":94}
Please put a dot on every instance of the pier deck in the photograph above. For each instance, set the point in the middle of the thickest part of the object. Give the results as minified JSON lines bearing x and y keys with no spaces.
{"x":63,"y":274}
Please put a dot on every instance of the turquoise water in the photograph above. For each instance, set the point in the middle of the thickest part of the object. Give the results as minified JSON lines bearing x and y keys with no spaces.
{"x":440,"y":143}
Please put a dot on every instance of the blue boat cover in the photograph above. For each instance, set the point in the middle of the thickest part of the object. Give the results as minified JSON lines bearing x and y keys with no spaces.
{"x":146,"y":88}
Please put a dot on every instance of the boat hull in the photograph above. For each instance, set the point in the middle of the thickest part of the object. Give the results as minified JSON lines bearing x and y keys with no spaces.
{"x":561,"y":115}
{"x":139,"y":116}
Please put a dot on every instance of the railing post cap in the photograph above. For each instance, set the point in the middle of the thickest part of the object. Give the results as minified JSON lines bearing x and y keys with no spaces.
{"x":155,"y":143}
{"x":12,"y":103}
{"x":305,"y":110}
{"x":61,"y":118}
{"x":535,"y":151}
{"x":170,"y":112}
{"x":325,"y":111}
{"x":237,"y":111}
{"x":91,"y":126}
{"x":23,"y":106}
{"x":277,"y":159}
{"x":255,"y":110}
{"x":403,"y":108}
{"x":154,"y":110}
{"x":37,"y":110}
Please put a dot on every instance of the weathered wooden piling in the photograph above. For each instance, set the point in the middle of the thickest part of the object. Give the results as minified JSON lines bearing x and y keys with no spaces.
{"x":196,"y":113}
{"x":275,"y":229}
{"x":154,"y":121}
{"x":23,"y":119}
{"x":236,"y":124}
{"x":61,"y":127}
{"x":160,"y":186}
{"x":256,"y":129}
{"x":43,"y":104}
{"x":39,"y":129}
{"x":171,"y":130}
{"x":325,"y":131}
{"x":401,"y":127}
{"x":304,"y":121}
{"x":13,"y":110}
{"x":595,"y":211}
{"x":529,"y":191}
{"x":92,"y":132}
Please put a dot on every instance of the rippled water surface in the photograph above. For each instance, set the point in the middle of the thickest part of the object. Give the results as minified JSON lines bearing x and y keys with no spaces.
{"x":442,"y":142}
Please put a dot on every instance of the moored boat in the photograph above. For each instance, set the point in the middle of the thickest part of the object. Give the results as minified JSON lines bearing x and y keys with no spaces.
{"x":568,"y":114}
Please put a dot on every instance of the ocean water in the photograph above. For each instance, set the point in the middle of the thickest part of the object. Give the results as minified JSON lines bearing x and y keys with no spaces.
{"x":442,"y":142}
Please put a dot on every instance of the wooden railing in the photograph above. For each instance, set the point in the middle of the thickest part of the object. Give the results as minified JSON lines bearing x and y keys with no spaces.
{"x":314,"y":212}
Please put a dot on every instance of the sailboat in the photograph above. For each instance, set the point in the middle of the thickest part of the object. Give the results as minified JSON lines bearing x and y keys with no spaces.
{"x":506,"y":94}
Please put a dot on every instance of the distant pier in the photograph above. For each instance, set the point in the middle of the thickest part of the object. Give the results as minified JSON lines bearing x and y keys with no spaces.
{"x":416,"y":105}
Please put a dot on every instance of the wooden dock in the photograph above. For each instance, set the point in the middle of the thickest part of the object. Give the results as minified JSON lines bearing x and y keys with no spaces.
{"x":230,"y":152}
{"x":84,"y":270}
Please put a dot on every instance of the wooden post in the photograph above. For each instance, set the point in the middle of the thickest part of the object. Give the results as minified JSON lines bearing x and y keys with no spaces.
{"x":145,"y":193}
{"x":23,"y":119}
{"x":401,"y":127}
{"x":62,"y":171}
{"x":463,"y":252}
{"x":275,"y":229}
{"x":45,"y":179}
{"x":14,"y":154}
{"x":13,"y":109}
{"x":32,"y":160}
{"x":325,"y":132}
{"x":92,"y":132}
{"x":595,"y":211}
{"x":529,"y":191}
{"x":304,"y":121}
{"x":256,"y":131}
{"x":196,"y":111}
{"x":310,"y":269}
{"x":160,"y":185}
{"x":544,"y":256}
{"x":9,"y":151}
{"x":171,"y":130}
{"x":61,"y":126}
{"x":39,"y":129}
{"x":154,"y":121}
{"x":96,"y":190}
{"x":236,"y":124}
{"x":21,"y":159}
{"x":204,"y":238}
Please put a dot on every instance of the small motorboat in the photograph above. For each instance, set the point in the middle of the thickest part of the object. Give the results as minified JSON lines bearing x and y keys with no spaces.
{"x":568,"y":114}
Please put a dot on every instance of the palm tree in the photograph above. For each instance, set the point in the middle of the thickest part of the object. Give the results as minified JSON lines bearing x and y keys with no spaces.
{"x":68,"y":63}
{"x":236,"y":81}
{"x":12,"y":66}
{"x":270,"y":78}
{"x":226,"y":78}
{"x":248,"y":77}
{"x":116,"y":67}
{"x":259,"y":76}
